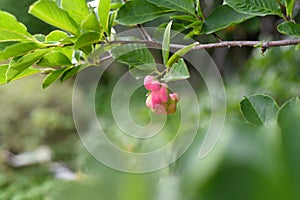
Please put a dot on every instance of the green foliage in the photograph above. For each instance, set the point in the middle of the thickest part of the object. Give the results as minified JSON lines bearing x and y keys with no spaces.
{"x":289,"y":4}
{"x":138,"y":12}
{"x":50,"y":13}
{"x":289,"y":28}
{"x":166,"y":43}
{"x":255,"y":7}
{"x":77,"y":9}
{"x":18,"y":49}
{"x":186,"y":6}
{"x":83,"y":32}
{"x":178,"y":54}
{"x":259,"y":109}
{"x":17,"y":66}
{"x":178,"y":71}
{"x":103,"y":12}
{"x":222,"y":17}
{"x":27,"y":72}
{"x":134,"y":55}
{"x":54,"y":59}
{"x":87,"y":39}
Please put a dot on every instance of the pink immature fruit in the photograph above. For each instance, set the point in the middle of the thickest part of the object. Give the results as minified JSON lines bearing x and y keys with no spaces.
{"x":151,"y":83}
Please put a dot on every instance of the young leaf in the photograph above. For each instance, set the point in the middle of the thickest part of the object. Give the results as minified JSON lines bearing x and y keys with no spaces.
{"x":138,"y":12}
{"x":134,"y":55}
{"x":27,"y":72}
{"x":52,"y":77}
{"x":95,"y":56}
{"x":77,"y":9}
{"x":49,"y":12}
{"x":178,"y":71}
{"x":187,"y":18}
{"x":222,"y":17}
{"x":103,"y":12}
{"x":186,"y":6}
{"x":39,"y":37}
{"x":178,"y":54}
{"x":9,"y":35}
{"x":91,"y":23}
{"x":87,"y":39}
{"x":56,"y":36}
{"x":54,"y":58}
{"x":16,"y":68}
{"x":8,"y":22}
{"x":198,"y":9}
{"x":289,"y":28}
{"x":166,"y":43}
{"x":289,"y":4}
{"x":72,"y":71}
{"x":259,"y":109}
{"x":18,"y":49}
{"x":255,"y":7}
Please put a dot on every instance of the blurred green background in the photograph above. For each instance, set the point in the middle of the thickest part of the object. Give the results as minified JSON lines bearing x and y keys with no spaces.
{"x":247,"y":163}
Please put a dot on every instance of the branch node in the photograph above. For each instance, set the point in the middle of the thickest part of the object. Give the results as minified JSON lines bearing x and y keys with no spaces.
{"x":264,"y":47}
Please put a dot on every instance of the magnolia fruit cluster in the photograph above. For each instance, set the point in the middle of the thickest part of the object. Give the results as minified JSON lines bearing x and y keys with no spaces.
{"x":159,"y":100}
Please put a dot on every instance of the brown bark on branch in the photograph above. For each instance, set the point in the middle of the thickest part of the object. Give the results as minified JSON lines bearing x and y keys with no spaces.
{"x":228,"y":44}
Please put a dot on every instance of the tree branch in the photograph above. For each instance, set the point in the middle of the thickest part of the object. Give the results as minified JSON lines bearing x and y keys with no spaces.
{"x":228,"y":44}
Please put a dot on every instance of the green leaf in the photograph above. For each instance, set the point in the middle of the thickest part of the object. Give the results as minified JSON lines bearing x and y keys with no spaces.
{"x":222,"y":17}
{"x":178,"y":71}
{"x":18,"y":66}
{"x":255,"y":7}
{"x":87,"y":39}
{"x":4,"y":45}
{"x":178,"y":54}
{"x":52,"y":77}
{"x":289,"y":4}
{"x":95,"y":56}
{"x":8,"y":22}
{"x":138,"y":73}
{"x":187,"y":18}
{"x":166,"y":43}
{"x":289,"y":28}
{"x":54,"y":58}
{"x":56,"y":36}
{"x":103,"y":12}
{"x":134,"y":55}
{"x":27,"y":72}
{"x":39,"y":37}
{"x":259,"y":109}
{"x":77,"y":9}
{"x":49,"y":12}
{"x":198,"y":9}
{"x":91,"y":23}
{"x":72,"y":71}
{"x":186,"y":6}
{"x":18,"y":49}
{"x":8,"y":35}
{"x":138,"y":12}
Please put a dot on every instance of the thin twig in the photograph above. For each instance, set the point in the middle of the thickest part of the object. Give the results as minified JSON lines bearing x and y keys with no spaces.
{"x":144,"y":33}
{"x":227,"y":44}
{"x":105,"y":58}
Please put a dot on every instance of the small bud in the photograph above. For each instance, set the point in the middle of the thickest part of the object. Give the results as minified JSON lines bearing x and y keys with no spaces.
{"x":149,"y":101}
{"x":174,"y":97}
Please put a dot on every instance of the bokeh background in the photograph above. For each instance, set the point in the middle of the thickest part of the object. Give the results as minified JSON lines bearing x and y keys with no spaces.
{"x":247,"y":163}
